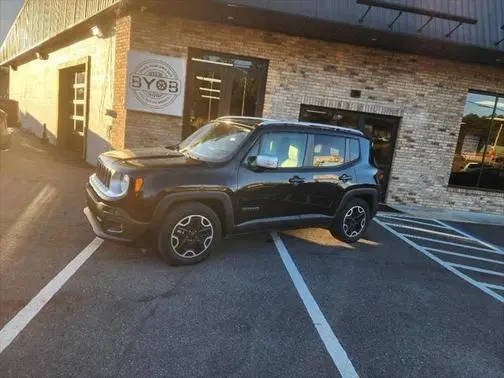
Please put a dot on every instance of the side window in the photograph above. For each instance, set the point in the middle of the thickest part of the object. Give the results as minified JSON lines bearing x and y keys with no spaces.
{"x":328,"y":151}
{"x":288,"y":148}
{"x":354,"y":149}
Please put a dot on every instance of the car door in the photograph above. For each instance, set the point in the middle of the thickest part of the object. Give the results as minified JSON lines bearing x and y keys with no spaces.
{"x":272,"y":195}
{"x":329,"y":172}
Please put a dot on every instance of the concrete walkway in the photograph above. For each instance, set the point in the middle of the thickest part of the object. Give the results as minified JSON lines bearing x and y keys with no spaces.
{"x":451,"y":215}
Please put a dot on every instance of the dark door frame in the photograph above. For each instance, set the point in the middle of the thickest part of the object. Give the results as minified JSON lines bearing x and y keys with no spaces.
{"x":195,"y":66}
{"x":64,"y":69}
{"x":360,"y":126}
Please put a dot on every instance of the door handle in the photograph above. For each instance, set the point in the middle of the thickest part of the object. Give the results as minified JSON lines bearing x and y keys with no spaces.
{"x":344,"y":177}
{"x":296,"y":180}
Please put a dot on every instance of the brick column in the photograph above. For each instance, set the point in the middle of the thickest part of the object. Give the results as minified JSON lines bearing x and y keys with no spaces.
{"x":123,"y":38}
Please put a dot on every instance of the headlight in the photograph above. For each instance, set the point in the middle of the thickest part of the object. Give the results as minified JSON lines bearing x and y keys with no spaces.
{"x":119,"y":183}
{"x":125,"y":180}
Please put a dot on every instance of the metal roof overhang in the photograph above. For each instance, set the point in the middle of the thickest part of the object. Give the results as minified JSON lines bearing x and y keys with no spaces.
{"x":217,"y":11}
{"x":274,"y":21}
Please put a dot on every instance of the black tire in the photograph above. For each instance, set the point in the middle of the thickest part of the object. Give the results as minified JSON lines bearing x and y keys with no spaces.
{"x":194,"y":222}
{"x":348,"y":225}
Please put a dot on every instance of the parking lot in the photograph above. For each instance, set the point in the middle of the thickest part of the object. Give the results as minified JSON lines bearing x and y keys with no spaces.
{"x":416,"y":297}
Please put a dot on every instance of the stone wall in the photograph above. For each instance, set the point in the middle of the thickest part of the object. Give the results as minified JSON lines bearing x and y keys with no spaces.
{"x":35,"y":85}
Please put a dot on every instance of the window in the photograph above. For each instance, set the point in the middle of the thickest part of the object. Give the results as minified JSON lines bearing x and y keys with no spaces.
{"x":328,"y":151}
{"x":479,"y":154}
{"x":288,"y":148}
{"x":215,"y":142}
{"x":222,"y":85}
{"x":354,"y":149}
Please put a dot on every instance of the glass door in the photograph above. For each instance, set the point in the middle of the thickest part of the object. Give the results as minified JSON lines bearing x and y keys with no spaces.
{"x":383,"y":132}
{"x":220,"y":85}
{"x":207,"y":97}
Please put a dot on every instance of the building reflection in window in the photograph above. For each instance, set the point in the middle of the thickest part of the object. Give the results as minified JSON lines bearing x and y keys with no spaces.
{"x":479,"y":155}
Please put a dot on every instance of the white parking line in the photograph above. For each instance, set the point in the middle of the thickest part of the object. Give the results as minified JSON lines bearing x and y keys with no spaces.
{"x":331,"y":342}
{"x":464,"y":255}
{"x":454,"y":244}
{"x":492,"y":286}
{"x":9,"y":332}
{"x":404,"y":219}
{"x":427,"y":231}
{"x":491,"y":246}
{"x":402,"y":216}
{"x":450,"y":266}
{"x":476,"y":269}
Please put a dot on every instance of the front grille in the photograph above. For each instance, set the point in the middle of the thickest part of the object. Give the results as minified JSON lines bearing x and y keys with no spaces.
{"x":103,"y":173}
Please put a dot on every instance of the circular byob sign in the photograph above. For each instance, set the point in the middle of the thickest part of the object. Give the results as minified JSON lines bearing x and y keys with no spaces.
{"x":155,"y":84}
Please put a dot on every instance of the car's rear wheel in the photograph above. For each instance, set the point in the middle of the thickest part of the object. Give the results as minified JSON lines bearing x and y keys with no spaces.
{"x":351,"y":223}
{"x":188,"y":234}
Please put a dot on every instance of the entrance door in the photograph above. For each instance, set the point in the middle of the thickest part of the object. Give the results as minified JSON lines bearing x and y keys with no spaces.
{"x":72,"y":109}
{"x":220,"y":85}
{"x":381,"y":129}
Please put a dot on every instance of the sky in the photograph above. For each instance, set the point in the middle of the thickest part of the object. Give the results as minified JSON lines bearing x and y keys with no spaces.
{"x":8,"y":12}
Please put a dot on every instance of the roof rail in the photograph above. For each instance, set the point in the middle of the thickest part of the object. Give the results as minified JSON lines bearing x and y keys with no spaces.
{"x":318,"y":125}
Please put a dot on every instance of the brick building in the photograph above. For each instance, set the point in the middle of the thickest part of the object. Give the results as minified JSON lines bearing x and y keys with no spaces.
{"x":426,"y":83}
{"x":4,"y":83}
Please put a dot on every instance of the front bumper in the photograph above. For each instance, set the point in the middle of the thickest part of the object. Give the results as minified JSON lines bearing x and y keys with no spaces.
{"x":112,"y":223}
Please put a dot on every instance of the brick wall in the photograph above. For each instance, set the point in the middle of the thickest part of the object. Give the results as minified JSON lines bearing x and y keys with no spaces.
{"x":4,"y":82}
{"x":122,"y":30}
{"x":35,"y":86}
{"x":429,"y":94}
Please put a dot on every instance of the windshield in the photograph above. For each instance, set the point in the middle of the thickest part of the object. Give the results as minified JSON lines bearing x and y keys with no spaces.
{"x":216,"y":141}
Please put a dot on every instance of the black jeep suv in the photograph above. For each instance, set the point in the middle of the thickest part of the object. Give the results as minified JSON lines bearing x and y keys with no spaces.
{"x":235,"y":175}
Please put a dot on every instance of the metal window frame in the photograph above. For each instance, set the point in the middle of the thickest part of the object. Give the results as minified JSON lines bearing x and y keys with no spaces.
{"x":491,"y":123}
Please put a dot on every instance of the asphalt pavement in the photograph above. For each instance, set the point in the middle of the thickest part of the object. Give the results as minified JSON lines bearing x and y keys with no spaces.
{"x":394,"y":310}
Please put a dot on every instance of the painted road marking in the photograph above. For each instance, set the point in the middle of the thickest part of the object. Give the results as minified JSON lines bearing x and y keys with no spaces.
{"x":476,"y":269}
{"x":492,"y":286}
{"x":396,"y":218}
{"x":491,"y":246}
{"x":454,"y":244}
{"x":405,"y":217}
{"x":9,"y":332}
{"x":452,"y":267}
{"x":331,"y":342}
{"x":465,"y":256}
{"x":427,"y":231}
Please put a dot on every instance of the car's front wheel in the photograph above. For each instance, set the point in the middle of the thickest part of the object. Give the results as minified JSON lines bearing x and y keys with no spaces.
{"x":351,"y":223}
{"x":189,"y":233}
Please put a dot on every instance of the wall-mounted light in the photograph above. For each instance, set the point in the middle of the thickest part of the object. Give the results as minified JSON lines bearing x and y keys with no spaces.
{"x":97,"y":32}
{"x":42,"y":55}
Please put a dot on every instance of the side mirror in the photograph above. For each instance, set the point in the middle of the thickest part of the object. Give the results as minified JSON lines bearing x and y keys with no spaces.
{"x":264,"y":161}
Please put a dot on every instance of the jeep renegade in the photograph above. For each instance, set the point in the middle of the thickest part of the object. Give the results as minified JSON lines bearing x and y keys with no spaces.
{"x":235,"y":175}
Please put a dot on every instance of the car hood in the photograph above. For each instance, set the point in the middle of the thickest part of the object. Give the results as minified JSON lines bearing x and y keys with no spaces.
{"x":150,"y":157}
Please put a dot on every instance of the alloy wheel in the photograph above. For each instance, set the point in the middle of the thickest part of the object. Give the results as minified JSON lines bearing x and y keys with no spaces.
{"x":192,"y":236}
{"x":354,"y":221}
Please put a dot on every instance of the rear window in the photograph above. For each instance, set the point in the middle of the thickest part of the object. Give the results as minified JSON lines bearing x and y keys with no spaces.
{"x":328,"y":151}
{"x":354,"y":149}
